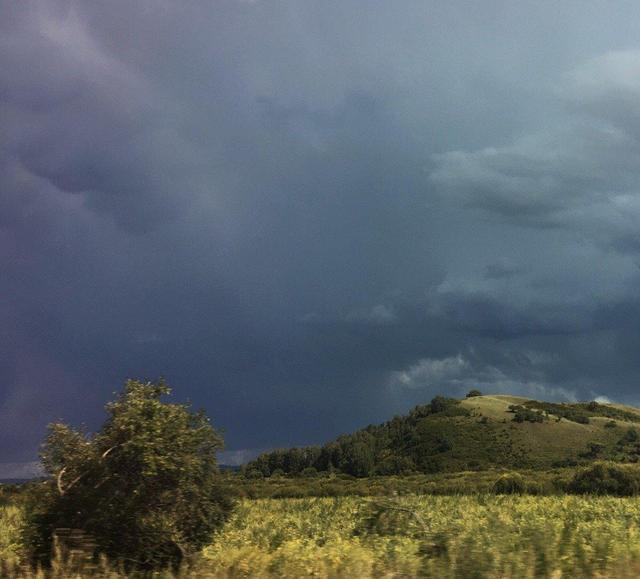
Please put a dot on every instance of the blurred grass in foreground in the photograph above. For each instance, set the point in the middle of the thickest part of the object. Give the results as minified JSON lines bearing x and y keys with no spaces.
{"x":411,"y":536}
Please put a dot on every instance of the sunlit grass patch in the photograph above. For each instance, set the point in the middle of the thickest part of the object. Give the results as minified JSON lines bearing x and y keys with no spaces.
{"x":412,"y":536}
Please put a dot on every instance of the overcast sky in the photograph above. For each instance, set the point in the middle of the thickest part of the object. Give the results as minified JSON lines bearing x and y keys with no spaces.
{"x":308,"y":215}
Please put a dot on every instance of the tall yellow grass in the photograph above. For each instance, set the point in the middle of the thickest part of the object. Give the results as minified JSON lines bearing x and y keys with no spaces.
{"x":414,"y":536}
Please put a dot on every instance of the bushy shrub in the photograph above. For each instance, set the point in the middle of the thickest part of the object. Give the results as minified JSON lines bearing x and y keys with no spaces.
{"x":594,"y":449}
{"x":509,"y":484}
{"x":473,"y":393}
{"x":605,"y":479}
{"x":523,"y":414}
{"x":145,"y":488}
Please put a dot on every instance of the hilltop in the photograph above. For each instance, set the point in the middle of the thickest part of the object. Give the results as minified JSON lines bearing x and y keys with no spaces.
{"x":475,"y":433}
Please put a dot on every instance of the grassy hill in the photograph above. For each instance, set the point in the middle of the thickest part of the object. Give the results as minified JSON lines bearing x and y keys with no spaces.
{"x":476,"y":433}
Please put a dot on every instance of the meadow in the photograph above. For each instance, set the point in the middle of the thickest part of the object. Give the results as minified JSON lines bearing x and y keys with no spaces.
{"x":479,"y":535}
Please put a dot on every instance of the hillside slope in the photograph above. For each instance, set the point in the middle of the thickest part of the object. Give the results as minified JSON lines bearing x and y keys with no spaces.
{"x":476,"y":433}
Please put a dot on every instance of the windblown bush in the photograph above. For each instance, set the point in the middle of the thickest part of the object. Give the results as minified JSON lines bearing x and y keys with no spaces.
{"x":145,"y":487}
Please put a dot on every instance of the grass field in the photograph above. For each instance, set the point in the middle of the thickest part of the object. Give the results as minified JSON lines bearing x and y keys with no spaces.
{"x":416,"y":536}
{"x":481,"y":536}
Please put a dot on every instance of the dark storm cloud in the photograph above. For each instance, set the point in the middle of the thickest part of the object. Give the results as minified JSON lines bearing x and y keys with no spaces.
{"x":292,"y":209}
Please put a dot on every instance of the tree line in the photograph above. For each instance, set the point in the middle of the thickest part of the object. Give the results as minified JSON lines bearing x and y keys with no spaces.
{"x":401,"y":445}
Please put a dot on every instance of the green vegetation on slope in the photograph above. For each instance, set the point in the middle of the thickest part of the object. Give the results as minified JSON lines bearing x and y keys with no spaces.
{"x":477,"y":433}
{"x":581,"y":412}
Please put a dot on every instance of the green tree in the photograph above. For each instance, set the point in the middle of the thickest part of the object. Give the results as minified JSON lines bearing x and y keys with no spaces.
{"x":439,"y":404}
{"x":146,"y":487}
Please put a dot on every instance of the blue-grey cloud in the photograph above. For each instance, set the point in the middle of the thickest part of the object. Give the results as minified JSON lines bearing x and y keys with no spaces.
{"x":580,"y":175}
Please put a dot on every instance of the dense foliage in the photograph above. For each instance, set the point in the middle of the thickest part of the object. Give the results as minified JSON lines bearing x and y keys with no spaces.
{"x":606,"y":479}
{"x":146,"y":487}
